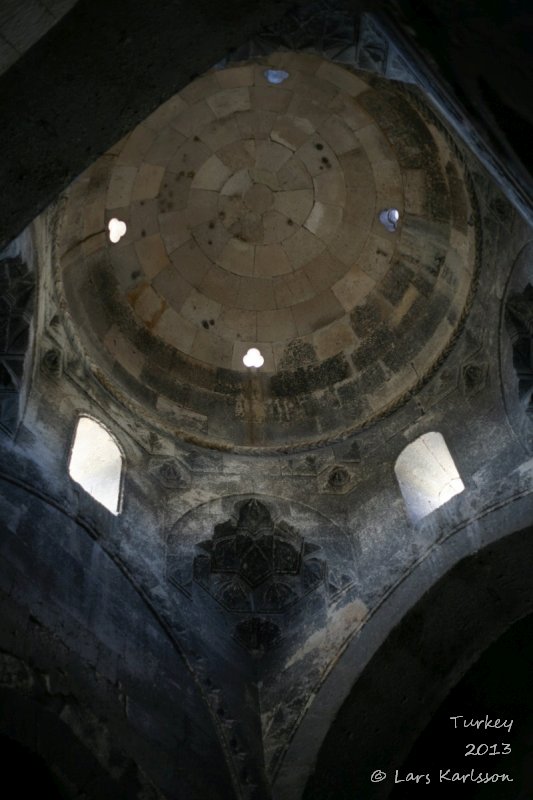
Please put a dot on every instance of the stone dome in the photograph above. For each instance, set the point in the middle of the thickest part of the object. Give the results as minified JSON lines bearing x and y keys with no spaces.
{"x":252,"y":215}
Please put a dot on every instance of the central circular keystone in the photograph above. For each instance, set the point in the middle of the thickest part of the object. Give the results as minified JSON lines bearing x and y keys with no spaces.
{"x":259,"y":198}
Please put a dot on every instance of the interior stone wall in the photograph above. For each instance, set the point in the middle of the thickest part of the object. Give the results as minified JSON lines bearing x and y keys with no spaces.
{"x":203,"y":642}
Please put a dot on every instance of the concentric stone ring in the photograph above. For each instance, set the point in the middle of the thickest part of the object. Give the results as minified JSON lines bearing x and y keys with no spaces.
{"x":252,"y":215}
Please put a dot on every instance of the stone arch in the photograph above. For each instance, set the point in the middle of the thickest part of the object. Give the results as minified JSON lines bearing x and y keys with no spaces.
{"x":432,"y":626}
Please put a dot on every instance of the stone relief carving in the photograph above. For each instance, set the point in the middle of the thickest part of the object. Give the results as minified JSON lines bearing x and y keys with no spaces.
{"x":16,"y":305}
{"x":475,"y":377}
{"x":257,"y":565}
{"x":259,"y":570}
{"x":169,"y":473}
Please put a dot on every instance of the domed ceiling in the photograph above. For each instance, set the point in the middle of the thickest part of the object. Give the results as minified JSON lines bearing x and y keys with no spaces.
{"x":252,"y":220}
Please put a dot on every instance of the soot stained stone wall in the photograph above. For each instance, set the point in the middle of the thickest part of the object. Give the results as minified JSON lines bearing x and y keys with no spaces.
{"x":225,"y":635}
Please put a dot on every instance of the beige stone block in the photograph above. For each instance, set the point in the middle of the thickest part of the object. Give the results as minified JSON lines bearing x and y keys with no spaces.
{"x":324,"y":270}
{"x":255,"y":124}
{"x":275,"y":326}
{"x":360,"y":211}
{"x":341,"y":78}
{"x":294,"y":175}
{"x":351,"y":112}
{"x":231,"y":210}
{"x":292,"y":132}
{"x":176,"y":331}
{"x":229,"y":101}
{"x":174,"y":230}
{"x":241,"y":348}
{"x":330,"y":188}
{"x":120,"y":186}
{"x":152,"y":255}
{"x":147,"y":305}
{"x":188,"y":158}
{"x":292,"y":289}
{"x":295,"y":205}
{"x":164,"y":147}
{"x":147,"y":182}
{"x":172,"y":287}
{"x":193,"y":118}
{"x":256,"y":294}
{"x":376,"y":145}
{"x":338,"y":135}
{"x":238,"y":155}
{"x":271,"y":259}
{"x":123,"y":351}
{"x":316,"y":313}
{"x":203,"y":207}
{"x":136,"y":145}
{"x":334,"y":339}
{"x":276,"y":227}
{"x":237,"y":185}
{"x":376,"y":256}
{"x":219,"y":133}
{"x":237,"y":257}
{"x":324,"y":220}
{"x":347,"y":242}
{"x":357,"y":171}
{"x":234,"y":77}
{"x":353,"y":288}
{"x":93,"y":219}
{"x":270,"y":98}
{"x":269,"y":179}
{"x":302,"y":247}
{"x":211,"y":349}
{"x":200,"y":88}
{"x":212,"y":175}
{"x":306,"y":107}
{"x":199,"y":308}
{"x":166,"y":113}
{"x":237,"y":323}
{"x":317,"y":156}
{"x":191,"y":262}
{"x":221,"y":286}
{"x":212,"y":237}
{"x":271,"y":156}
{"x":314,"y":89}
{"x":143,"y":220}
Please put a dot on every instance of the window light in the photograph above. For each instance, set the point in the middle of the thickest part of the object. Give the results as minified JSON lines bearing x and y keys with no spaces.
{"x":389,"y":218}
{"x":117,"y":229}
{"x":427,"y":475}
{"x":276,"y":75}
{"x":96,"y":463}
{"x":253,"y":358}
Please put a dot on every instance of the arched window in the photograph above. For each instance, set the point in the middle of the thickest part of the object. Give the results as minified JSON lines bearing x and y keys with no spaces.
{"x":96,"y":463}
{"x":427,"y":475}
